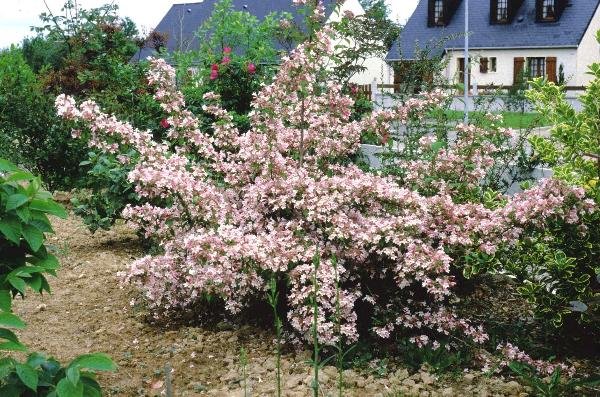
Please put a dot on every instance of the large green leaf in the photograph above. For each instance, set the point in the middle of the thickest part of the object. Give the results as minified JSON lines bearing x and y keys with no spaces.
{"x":11,"y":228}
{"x":49,"y":207}
{"x":6,"y":166}
{"x":28,"y":375}
{"x":73,"y":375}
{"x":15,"y":201}
{"x":8,"y":335}
{"x":33,"y":236}
{"x":5,"y":300}
{"x":65,"y":388}
{"x":20,"y":176}
{"x":95,"y":362}
{"x":18,"y":283}
{"x":11,"y":321}
{"x":13,"y":346}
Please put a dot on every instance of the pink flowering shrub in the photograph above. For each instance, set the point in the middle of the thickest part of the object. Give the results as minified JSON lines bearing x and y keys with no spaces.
{"x":244,"y":207}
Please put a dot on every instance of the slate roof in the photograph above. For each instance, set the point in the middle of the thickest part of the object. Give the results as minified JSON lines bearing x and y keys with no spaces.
{"x":523,"y":32}
{"x":183,"y":20}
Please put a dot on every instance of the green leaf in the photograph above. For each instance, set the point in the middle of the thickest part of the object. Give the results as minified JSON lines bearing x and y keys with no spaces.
{"x":5,"y":300}
{"x":6,"y":366}
{"x":11,"y":228}
{"x":48,"y":206}
{"x":28,"y":375}
{"x":95,"y":362}
{"x":11,"y":321}
{"x":13,"y":346}
{"x":23,"y":214}
{"x":20,"y":176}
{"x":73,"y":374}
{"x":8,"y":335}
{"x":48,"y":263}
{"x":91,"y":388}
{"x":6,"y":166}
{"x":15,"y":201}
{"x":33,"y":236}
{"x":65,"y":388}
{"x":36,"y":359}
{"x":35,"y":282}
{"x":18,"y":283}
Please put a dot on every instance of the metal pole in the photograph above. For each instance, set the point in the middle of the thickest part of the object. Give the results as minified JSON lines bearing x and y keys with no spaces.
{"x":467,"y":65}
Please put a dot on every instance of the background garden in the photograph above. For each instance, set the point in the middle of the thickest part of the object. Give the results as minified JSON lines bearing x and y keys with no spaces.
{"x":224,"y":234}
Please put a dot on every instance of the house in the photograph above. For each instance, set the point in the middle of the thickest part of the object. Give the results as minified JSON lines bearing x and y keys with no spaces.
{"x":508,"y":39}
{"x":182,"y":22}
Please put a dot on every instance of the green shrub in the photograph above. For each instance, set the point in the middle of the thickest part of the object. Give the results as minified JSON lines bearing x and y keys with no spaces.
{"x":24,"y":263}
{"x":30,"y":133}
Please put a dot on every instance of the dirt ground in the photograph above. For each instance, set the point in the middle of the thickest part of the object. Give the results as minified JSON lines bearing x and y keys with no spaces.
{"x":89,"y":312}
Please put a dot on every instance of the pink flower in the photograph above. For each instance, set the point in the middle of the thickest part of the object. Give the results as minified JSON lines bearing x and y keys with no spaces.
{"x":214,"y":74}
{"x":227,"y":50}
{"x":226,"y":60}
{"x":251,"y":68}
{"x":214,"y":67}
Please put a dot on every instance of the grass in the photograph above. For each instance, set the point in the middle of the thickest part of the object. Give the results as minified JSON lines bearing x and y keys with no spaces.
{"x":516,"y":120}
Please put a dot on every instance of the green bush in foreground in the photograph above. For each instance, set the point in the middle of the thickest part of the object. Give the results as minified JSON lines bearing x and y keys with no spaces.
{"x":24,"y":263}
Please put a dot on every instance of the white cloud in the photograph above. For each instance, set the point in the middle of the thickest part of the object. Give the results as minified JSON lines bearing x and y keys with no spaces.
{"x":18,"y":15}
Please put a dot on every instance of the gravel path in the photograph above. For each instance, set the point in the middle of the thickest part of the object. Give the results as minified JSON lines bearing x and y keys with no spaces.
{"x":88,"y":311}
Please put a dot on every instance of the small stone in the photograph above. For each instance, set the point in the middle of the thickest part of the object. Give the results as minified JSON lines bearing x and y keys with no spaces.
{"x":401,"y":374}
{"x":426,"y":378}
{"x":40,"y":308}
{"x":409,"y":382}
{"x":360,"y":382}
{"x":469,"y":378}
{"x":512,"y":387}
{"x":448,"y":392}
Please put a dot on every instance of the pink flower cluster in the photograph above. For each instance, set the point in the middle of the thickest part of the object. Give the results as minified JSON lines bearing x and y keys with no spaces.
{"x":265,"y":202}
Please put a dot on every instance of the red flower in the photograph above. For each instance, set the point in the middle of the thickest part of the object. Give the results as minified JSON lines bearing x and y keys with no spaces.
{"x":214,"y":74}
{"x":251,"y":68}
{"x":164,"y":123}
{"x":214,"y":67}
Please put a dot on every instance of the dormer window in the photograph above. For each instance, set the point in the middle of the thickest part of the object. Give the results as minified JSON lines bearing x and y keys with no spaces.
{"x":438,"y":13}
{"x":502,"y":11}
{"x":441,"y":11}
{"x":548,"y":10}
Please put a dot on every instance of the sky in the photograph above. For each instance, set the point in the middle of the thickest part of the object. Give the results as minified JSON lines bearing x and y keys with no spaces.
{"x":18,"y":15}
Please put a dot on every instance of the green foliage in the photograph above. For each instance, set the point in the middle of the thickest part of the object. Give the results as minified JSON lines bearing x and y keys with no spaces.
{"x":573,"y":147}
{"x":43,"y":376}
{"x":24,"y":263}
{"x":363,"y":36}
{"x":30,"y":133}
{"x":439,"y":359}
{"x":561,"y":267}
{"x":106,"y":194}
{"x":552,"y":386}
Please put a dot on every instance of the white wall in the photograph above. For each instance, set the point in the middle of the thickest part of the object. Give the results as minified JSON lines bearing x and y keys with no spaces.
{"x":589,"y":50}
{"x":505,"y":64}
{"x":376,"y":68}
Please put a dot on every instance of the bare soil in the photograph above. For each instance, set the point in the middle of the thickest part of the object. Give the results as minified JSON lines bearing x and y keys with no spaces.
{"x":90,"y":312}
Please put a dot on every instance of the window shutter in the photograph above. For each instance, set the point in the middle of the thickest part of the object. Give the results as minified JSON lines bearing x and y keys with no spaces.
{"x":493,"y":11}
{"x":518,"y":70}
{"x":551,"y":69}
{"x":430,"y":13}
{"x":483,"y":65}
